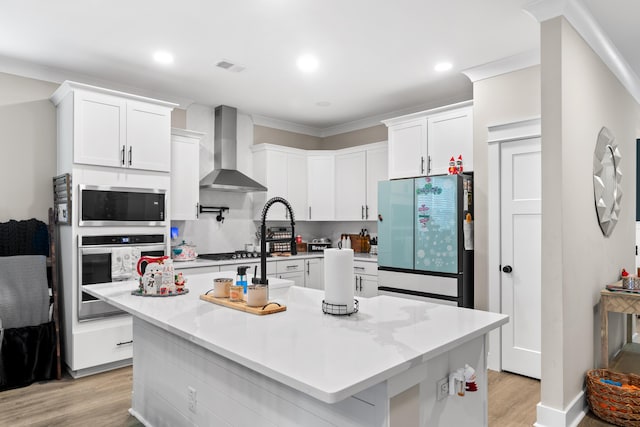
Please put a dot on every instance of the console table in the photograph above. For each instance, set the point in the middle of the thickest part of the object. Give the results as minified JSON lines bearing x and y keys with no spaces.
{"x":620,"y":302}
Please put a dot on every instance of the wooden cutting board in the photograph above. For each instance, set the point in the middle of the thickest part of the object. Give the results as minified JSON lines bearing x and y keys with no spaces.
{"x":272,"y":307}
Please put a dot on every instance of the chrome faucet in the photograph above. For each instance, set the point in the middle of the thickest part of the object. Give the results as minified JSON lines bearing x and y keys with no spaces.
{"x":263,"y":238}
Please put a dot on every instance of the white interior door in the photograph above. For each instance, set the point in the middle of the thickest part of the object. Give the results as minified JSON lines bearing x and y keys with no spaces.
{"x":521,"y":228}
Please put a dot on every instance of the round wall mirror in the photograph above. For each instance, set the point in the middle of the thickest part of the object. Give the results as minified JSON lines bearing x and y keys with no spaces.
{"x":606,"y":181}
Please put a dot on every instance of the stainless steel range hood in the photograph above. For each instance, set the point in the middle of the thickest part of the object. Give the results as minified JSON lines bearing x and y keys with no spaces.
{"x":225,"y":176}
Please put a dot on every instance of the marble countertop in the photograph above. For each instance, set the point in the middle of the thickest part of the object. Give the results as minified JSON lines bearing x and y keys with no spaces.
{"x":301,"y":255}
{"x":327,"y":357}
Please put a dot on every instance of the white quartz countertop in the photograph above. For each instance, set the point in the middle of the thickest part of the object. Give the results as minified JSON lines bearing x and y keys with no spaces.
{"x":200,"y":262}
{"x":327,"y":357}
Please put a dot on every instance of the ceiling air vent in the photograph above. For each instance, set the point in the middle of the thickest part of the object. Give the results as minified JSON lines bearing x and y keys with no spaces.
{"x":230,"y":66}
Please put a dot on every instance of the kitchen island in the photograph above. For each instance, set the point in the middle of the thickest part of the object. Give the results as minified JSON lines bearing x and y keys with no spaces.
{"x":198,"y":363}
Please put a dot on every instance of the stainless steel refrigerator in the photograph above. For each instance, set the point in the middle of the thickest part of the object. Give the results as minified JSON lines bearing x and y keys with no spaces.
{"x":422,"y":249}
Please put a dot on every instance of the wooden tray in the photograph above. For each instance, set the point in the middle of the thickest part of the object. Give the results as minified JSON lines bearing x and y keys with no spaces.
{"x":270,"y":308}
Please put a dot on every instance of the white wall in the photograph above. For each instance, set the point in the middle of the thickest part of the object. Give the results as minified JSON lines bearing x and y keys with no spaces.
{"x":502,"y":99}
{"x":579,"y":96}
{"x":27,"y":147}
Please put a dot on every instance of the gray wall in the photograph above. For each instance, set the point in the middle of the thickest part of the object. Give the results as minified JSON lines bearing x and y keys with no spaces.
{"x":28,"y":147}
{"x":369,"y":135}
{"x":503,"y":99}
{"x":267,"y":135}
{"x":579,"y":96}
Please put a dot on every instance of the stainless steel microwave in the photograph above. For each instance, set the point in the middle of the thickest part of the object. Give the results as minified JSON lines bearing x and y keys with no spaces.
{"x":103,"y":205}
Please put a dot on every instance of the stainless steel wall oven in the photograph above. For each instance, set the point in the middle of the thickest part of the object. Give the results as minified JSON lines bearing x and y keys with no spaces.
{"x":110,"y":258}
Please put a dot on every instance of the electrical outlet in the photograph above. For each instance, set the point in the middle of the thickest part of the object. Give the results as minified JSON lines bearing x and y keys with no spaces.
{"x":442,"y":388}
{"x":192,"y":398}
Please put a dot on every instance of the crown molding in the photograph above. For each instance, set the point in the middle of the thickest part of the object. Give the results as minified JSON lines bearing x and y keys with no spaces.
{"x":585,"y":24}
{"x":503,"y":66}
{"x":58,"y":75}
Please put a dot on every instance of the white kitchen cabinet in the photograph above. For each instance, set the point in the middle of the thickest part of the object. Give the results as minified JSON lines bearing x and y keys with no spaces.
{"x":365,"y":278}
{"x":351,"y":185}
{"x":314,"y":273}
{"x":185,"y":189}
{"x":320,"y":189}
{"x":358,"y":171}
{"x":114,"y":129}
{"x":377,"y":170}
{"x":148,"y":136}
{"x":450,"y":134}
{"x":423,"y":143}
{"x":291,"y":270}
{"x":408,"y":148}
{"x":283,"y":171}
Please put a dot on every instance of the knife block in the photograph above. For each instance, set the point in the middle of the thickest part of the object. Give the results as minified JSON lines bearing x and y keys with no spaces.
{"x":360,"y":244}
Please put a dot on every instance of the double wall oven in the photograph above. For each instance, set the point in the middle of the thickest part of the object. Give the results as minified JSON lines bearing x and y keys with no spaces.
{"x":108,"y":257}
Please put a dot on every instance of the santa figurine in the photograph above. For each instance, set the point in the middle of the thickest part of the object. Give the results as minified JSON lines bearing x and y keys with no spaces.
{"x":459,"y":164}
{"x":452,"y":166}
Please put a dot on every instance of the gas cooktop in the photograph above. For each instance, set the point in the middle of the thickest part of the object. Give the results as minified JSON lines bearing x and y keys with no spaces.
{"x":231,"y":255}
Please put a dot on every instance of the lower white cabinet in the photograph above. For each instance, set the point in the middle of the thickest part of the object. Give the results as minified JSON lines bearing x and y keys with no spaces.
{"x":291,"y":270}
{"x":314,"y":273}
{"x":99,"y":345}
{"x":365,"y":278}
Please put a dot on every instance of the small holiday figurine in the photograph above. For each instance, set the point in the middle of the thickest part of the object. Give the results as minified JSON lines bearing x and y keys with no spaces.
{"x":452,"y":166}
{"x":179,"y":283}
{"x":459,"y":164}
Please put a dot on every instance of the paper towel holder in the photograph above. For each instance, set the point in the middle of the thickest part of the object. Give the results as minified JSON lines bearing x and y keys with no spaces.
{"x":339,"y":309}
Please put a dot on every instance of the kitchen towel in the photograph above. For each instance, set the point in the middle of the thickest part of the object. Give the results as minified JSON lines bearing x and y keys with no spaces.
{"x":123,"y":264}
{"x":24,"y":291}
{"x":338,"y":275}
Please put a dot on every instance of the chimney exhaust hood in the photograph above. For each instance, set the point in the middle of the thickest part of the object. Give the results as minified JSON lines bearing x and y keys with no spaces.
{"x":225,"y":176}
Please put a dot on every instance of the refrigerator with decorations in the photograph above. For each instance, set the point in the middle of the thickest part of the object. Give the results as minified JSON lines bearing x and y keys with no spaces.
{"x":425,"y":239}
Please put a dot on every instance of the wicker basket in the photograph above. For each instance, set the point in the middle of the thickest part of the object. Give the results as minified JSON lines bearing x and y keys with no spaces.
{"x":612,"y":403}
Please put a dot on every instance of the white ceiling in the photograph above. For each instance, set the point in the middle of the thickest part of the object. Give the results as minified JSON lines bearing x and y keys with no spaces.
{"x":376,"y":57}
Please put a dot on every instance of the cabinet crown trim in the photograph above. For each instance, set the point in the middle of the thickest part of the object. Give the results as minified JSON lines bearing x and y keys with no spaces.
{"x":69,"y":86}
{"x":427,"y":113}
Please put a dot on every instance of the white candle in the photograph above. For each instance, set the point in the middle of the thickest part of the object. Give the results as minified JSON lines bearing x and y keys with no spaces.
{"x":339,"y":286}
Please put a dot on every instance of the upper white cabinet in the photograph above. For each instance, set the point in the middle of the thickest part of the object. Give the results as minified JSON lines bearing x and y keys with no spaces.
{"x":358,"y":171}
{"x":450,"y":135}
{"x":408,"y":148}
{"x":423,"y":143}
{"x":320,"y":186}
{"x":185,"y":183}
{"x":284,"y":172}
{"x":351,"y":185}
{"x":108,"y":128}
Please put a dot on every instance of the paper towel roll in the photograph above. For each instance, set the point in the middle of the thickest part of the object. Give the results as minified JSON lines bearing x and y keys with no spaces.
{"x":339,"y":286}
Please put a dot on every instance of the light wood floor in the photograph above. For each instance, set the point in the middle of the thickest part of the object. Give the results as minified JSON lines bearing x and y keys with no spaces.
{"x":104,"y":400}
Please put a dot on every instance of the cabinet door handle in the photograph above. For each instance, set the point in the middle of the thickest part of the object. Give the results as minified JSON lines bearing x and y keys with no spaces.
{"x":122,"y":155}
{"x":421,"y":164}
{"x":360,"y":283}
{"x":292,"y":266}
{"x":367,"y":212}
{"x":197,"y":213}
{"x":308,"y":262}
{"x":125,"y":342}
{"x":356,"y":267}
{"x":130,"y":155}
{"x":362,"y":211}
{"x":428,"y":165}
{"x":356,"y":283}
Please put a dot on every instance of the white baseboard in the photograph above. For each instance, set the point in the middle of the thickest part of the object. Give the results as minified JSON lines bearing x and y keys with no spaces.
{"x":569,"y":417}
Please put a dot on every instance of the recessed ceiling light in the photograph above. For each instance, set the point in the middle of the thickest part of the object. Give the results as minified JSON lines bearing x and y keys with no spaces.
{"x":163,"y":57}
{"x":443,"y":66}
{"x":323,"y":103}
{"x":307,"y":63}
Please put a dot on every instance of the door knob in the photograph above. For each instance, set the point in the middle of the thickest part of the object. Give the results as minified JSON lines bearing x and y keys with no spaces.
{"x":507,"y":269}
